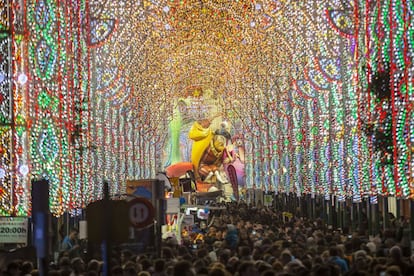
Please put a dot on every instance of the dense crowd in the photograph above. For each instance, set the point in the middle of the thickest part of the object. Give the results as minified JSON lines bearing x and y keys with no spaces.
{"x":245,"y":240}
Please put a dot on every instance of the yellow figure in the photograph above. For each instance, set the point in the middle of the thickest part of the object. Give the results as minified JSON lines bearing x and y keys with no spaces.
{"x":202,"y":135}
{"x":208,"y":150}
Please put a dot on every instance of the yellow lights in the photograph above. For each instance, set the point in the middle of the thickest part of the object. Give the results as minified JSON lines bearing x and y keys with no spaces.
{"x":224,"y":46}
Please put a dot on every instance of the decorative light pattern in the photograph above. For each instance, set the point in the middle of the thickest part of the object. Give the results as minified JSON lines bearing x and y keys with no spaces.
{"x":6,"y":183}
{"x":89,"y":88}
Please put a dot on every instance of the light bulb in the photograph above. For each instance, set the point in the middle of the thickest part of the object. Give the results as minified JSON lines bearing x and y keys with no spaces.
{"x":2,"y":173}
{"x":22,"y":79}
{"x":24,"y":170}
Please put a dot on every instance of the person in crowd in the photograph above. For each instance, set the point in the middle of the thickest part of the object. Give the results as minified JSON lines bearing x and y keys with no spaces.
{"x":247,"y":268}
{"x":78,"y":266}
{"x":70,"y":243}
{"x":159,"y":267}
{"x":13,"y":269}
{"x":335,"y":258}
{"x":65,"y":266}
{"x":232,"y":237}
{"x":396,"y":259}
{"x":184,"y":268}
{"x":26,"y":268}
{"x":94,"y":266}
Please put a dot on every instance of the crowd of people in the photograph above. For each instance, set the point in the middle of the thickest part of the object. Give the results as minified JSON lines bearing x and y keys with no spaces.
{"x":248,"y":240}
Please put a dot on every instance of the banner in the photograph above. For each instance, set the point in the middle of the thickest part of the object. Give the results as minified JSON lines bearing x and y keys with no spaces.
{"x":13,"y":230}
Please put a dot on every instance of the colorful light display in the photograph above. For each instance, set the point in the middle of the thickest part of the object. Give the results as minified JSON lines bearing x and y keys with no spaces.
{"x":88,"y":91}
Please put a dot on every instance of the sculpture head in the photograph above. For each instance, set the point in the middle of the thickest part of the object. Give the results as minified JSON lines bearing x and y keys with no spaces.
{"x":223,"y":132}
{"x":205,"y":123}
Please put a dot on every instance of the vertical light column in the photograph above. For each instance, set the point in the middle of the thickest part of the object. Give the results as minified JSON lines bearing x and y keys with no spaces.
{"x":131,"y":148}
{"x":88,"y":144}
{"x":287,"y":147}
{"x":368,"y":53}
{"x":409,"y":91}
{"x":6,"y":109}
{"x":20,"y":128}
{"x":385,"y":63}
{"x":248,"y":169}
{"x":274,"y":160}
{"x":298,"y":139}
{"x":323,"y":144}
{"x":337,"y":142}
{"x":122,"y":151}
{"x":50,"y":101}
{"x":311,"y":148}
{"x":401,"y":63}
{"x":99,"y":135}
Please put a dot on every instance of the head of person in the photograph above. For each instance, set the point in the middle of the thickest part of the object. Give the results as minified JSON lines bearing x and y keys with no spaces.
{"x":396,"y":252}
{"x":73,"y":233}
{"x":334,"y":251}
{"x":184,"y":268}
{"x":78,"y":265}
{"x":247,"y":268}
{"x":125,"y":256}
{"x":205,"y":123}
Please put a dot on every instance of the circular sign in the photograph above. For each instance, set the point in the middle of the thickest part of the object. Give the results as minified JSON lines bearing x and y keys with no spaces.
{"x":141,"y":212}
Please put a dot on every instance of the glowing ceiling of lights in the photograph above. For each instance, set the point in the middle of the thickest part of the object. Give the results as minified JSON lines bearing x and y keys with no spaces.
{"x":237,"y":49}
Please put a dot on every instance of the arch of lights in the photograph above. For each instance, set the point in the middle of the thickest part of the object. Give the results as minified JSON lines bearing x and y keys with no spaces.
{"x":89,"y":89}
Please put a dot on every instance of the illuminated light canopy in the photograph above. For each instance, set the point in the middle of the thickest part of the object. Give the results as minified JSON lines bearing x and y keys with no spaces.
{"x":95,"y":87}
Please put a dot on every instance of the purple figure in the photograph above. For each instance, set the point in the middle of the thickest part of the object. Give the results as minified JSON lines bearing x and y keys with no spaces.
{"x":234,"y":166}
